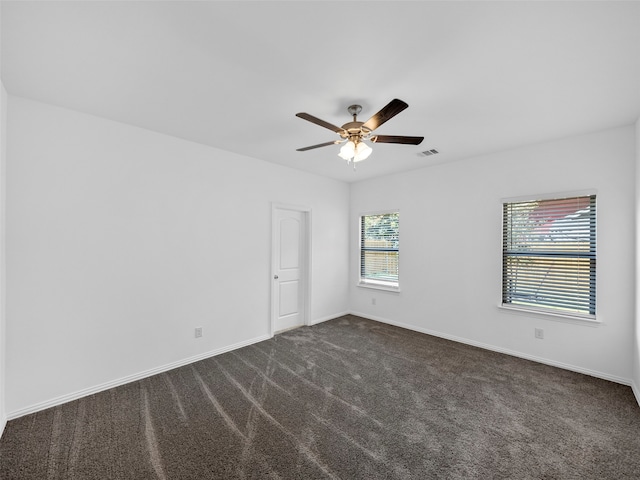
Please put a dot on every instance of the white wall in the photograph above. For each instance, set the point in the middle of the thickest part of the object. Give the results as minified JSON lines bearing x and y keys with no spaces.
{"x":120,"y":241}
{"x":3,"y":163}
{"x":450,"y":257}
{"x":636,"y":350}
{"x":3,"y":152}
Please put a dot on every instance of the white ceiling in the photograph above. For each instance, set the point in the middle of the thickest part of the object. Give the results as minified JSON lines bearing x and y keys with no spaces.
{"x":478,"y":76}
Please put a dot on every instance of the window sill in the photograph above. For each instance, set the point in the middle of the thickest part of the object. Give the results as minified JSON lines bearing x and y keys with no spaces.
{"x":379,"y":286}
{"x":560,"y":317}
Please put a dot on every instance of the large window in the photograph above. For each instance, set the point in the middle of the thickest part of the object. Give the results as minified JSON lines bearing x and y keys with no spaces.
{"x":379,"y":249}
{"x":549,"y":255}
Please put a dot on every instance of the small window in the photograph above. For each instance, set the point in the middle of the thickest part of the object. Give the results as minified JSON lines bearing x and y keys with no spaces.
{"x":379,"y":249}
{"x":549,"y":255}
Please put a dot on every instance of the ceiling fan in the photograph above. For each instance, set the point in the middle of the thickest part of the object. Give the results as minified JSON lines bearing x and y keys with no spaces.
{"x":353,"y":134}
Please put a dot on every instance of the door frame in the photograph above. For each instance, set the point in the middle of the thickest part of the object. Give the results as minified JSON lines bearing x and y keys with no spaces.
{"x":305,"y":277}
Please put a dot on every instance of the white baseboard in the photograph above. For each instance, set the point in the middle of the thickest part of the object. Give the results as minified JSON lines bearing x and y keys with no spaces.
{"x":326,"y":319}
{"x":636,"y":392}
{"x":513,"y":353}
{"x":128,"y":379}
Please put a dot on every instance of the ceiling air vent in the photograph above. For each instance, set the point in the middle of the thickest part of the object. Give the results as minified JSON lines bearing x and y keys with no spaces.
{"x":428,"y":153}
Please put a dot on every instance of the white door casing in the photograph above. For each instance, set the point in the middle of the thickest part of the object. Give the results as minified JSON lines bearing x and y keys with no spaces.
{"x":290,"y":261}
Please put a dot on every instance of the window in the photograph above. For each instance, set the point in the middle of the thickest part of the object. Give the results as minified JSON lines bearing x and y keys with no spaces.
{"x":379,"y":249}
{"x":549,"y":255}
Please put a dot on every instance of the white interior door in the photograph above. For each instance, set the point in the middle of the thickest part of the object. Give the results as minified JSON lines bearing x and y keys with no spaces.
{"x":289,"y":268}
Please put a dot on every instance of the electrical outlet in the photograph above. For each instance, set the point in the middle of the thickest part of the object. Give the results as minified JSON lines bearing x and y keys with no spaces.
{"x":539,"y":333}
{"x":373,"y":301}
{"x":198,"y":332}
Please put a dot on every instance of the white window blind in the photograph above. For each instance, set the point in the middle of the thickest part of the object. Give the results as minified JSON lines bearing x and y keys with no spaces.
{"x":549,"y":255}
{"x":379,"y":248}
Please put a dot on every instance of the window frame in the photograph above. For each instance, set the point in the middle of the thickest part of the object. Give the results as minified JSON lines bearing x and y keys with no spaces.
{"x":388,"y":285}
{"x":555,"y":312}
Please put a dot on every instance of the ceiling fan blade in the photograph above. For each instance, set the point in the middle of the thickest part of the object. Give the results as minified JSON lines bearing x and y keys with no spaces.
{"x":397,"y":139}
{"x":326,"y":144}
{"x":394,"y":107}
{"x":317,"y":121}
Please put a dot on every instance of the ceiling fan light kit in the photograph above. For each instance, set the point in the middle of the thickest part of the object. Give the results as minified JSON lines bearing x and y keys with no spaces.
{"x":355,"y":152}
{"x":353,"y":134}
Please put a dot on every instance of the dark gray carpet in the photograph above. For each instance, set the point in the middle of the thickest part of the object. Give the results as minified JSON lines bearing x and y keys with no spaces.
{"x":348,"y":399}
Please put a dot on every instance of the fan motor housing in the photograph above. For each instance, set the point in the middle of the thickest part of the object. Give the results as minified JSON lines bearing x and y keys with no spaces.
{"x":354,"y":128}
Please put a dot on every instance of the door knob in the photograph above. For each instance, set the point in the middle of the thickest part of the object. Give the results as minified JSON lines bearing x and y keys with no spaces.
{"x":275,"y":277}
